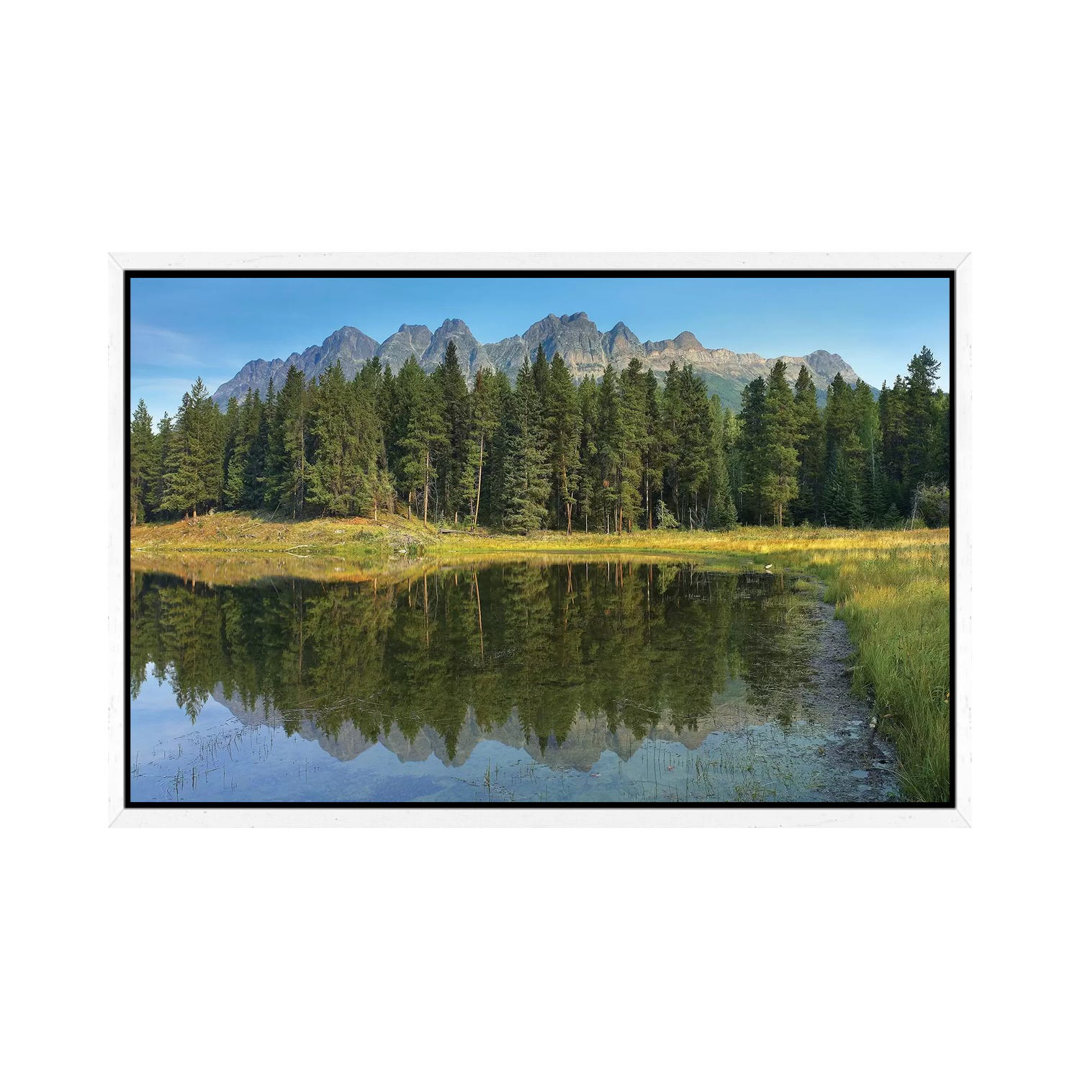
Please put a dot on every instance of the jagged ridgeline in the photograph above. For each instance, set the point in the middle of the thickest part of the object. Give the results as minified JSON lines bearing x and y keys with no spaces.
{"x":597,"y":439}
{"x":576,"y":338}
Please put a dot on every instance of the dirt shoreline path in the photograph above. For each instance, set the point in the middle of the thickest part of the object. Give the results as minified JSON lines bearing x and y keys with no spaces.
{"x":860,"y":763}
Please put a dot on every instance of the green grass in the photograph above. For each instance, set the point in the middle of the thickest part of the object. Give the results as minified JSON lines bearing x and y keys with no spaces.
{"x":896,"y":606}
{"x":890,"y":587}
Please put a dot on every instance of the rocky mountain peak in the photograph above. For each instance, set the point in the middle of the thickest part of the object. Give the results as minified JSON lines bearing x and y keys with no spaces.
{"x":585,"y":349}
{"x":828,"y":365}
{"x":409,"y":340}
{"x":620,"y":342}
{"x":688,"y":341}
{"x":471,"y":354}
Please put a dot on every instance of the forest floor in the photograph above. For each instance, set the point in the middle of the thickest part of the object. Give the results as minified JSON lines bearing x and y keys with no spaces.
{"x":891,"y":588}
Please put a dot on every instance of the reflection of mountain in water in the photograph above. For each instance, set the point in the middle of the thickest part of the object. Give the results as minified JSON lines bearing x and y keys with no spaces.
{"x":587,"y":738}
{"x":565,"y":661}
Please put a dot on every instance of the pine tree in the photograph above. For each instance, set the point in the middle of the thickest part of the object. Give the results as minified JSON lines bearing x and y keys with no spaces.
{"x":563,"y":429}
{"x":939,"y":467}
{"x":493,"y":492}
{"x":195,"y":465}
{"x":780,"y":484}
{"x":633,"y":393}
{"x":810,"y":431}
{"x":483,"y":417}
{"x":652,"y":456}
{"x":144,"y":466}
{"x":686,"y":442}
{"x":527,"y":479}
{"x":589,"y":483}
{"x":420,"y":435}
{"x":244,"y":453}
{"x":720,"y":512}
{"x":610,"y":438}
{"x":233,"y":485}
{"x":343,"y":476}
{"x":752,"y":447}
{"x":867,"y":422}
{"x":672,"y":409}
{"x":288,"y":458}
{"x":164,"y":448}
{"x":892,"y":416}
{"x":696,"y":443}
{"x":842,"y":500}
{"x":455,"y":478}
{"x":921,"y":416}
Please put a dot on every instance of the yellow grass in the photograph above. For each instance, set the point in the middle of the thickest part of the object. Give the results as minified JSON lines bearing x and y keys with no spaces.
{"x":890,"y":587}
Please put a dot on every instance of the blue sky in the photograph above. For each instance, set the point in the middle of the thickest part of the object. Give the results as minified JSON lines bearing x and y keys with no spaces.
{"x":186,"y":327}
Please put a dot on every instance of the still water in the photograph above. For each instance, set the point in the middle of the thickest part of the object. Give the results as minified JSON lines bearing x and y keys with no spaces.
{"x":522,"y":682}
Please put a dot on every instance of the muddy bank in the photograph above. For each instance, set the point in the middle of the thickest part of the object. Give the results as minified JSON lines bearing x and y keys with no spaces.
{"x":859,"y":763}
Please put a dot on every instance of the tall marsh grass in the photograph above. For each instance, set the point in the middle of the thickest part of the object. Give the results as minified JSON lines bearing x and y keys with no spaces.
{"x":896,"y":605}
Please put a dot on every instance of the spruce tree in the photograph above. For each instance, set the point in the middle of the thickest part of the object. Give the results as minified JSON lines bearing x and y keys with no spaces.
{"x":164,"y":448}
{"x":752,"y":447}
{"x":235,"y":452}
{"x":810,"y":431}
{"x":922,"y":417}
{"x":144,"y":467}
{"x":483,"y":418}
{"x":633,"y":394}
{"x":455,"y":478}
{"x":781,"y":483}
{"x":420,"y":435}
{"x":609,"y":447}
{"x":893,"y":421}
{"x":652,"y":457}
{"x":720,"y":511}
{"x":195,"y":466}
{"x":589,"y":484}
{"x":245,"y":451}
{"x":867,"y":421}
{"x":695,"y":443}
{"x":289,"y":436}
{"x":527,"y":478}
{"x":842,"y":500}
{"x":563,"y":429}
{"x":343,"y":477}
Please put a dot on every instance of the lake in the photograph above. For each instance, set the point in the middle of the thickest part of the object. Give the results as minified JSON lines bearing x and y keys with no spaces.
{"x":525,"y":682}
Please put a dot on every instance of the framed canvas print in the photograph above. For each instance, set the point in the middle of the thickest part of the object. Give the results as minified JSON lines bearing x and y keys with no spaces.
{"x":539,"y":539}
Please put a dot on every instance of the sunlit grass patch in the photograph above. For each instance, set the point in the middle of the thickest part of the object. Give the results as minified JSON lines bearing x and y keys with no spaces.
{"x":896,"y":605}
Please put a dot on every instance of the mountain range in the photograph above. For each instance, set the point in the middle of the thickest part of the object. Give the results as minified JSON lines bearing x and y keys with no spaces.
{"x":586,"y":349}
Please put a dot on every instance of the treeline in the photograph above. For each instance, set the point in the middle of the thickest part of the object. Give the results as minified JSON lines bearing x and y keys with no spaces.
{"x":611,"y":454}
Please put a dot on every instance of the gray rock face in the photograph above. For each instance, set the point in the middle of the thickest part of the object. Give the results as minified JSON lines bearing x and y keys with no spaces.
{"x":585,"y":349}
{"x":471,"y":354}
{"x":575,"y":337}
{"x":347,"y":346}
{"x":621,"y":343}
{"x":408,"y":341}
{"x":508,"y":354}
{"x":828,"y":365}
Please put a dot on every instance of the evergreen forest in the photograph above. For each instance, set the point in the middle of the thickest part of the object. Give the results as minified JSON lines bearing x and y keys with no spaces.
{"x":623,"y":452}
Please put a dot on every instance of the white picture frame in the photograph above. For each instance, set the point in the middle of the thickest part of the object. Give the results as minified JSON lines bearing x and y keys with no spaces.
{"x":172,"y":816}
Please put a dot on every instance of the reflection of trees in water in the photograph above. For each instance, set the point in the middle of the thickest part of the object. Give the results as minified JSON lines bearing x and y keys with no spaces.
{"x":639,"y":645}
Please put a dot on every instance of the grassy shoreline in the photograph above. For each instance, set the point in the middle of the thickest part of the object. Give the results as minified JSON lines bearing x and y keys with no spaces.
{"x":890,"y":587}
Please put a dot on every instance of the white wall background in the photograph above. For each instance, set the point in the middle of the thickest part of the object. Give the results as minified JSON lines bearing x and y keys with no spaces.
{"x":471,"y":126}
